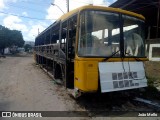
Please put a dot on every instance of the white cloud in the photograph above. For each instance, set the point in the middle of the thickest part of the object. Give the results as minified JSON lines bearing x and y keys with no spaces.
{"x":77,"y":3}
{"x":54,"y":12}
{"x":103,"y":2}
{"x":2,"y":5}
{"x":25,"y":14}
{"x":39,"y":27}
{"x":14,"y":22}
{"x":10,"y":0}
{"x":1,"y":14}
{"x":3,"y":2}
{"x":30,"y":32}
{"x":98,"y":2}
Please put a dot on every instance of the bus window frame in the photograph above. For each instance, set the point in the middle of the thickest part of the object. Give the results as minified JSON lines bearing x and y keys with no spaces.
{"x":144,"y":41}
{"x":67,"y":20}
{"x":79,"y":31}
{"x":121,"y":34}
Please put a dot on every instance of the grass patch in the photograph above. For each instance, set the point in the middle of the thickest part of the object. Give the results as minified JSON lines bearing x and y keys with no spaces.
{"x":151,"y":92}
{"x":152,"y":69}
{"x":153,"y":72}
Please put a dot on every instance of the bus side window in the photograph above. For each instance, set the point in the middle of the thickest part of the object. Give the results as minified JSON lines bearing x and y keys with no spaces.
{"x":55,"y":34}
{"x":72,"y":36}
{"x":63,"y":36}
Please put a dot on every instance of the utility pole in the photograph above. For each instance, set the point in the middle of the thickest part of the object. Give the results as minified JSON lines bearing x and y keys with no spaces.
{"x":38,"y":31}
{"x":67,"y":5}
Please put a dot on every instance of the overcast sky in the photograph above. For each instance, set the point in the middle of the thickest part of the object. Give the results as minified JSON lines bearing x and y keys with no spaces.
{"x":30,"y":15}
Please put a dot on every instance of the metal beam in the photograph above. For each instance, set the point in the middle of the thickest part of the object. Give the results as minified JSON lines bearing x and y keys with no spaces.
{"x":158,"y":12}
{"x":125,"y":5}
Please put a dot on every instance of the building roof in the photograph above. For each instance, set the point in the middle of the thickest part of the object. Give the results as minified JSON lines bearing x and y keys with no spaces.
{"x":147,"y":8}
{"x":150,"y":9}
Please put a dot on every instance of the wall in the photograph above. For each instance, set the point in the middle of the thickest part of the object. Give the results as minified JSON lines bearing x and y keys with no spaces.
{"x":153,"y":49}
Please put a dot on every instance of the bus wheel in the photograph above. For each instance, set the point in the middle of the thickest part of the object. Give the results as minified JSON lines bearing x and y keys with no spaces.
{"x":74,"y":93}
{"x":70,"y":80}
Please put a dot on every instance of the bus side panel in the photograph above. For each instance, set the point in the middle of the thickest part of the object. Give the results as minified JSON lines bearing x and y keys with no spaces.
{"x":86,"y":75}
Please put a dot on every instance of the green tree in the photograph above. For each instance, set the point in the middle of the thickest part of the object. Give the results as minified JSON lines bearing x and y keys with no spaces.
{"x":4,"y":40}
{"x":16,"y":38}
{"x":10,"y":38}
{"x":27,"y":47}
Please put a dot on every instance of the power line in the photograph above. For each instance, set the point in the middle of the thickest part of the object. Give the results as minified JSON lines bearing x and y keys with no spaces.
{"x":140,"y":7}
{"x":35,"y":3}
{"x":81,"y":2}
{"x":30,"y":9}
{"x":25,"y":16}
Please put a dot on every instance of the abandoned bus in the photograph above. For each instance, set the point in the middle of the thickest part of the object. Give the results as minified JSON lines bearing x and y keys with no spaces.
{"x":95,"y":48}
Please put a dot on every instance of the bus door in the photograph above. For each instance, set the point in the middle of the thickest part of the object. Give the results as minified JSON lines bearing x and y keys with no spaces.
{"x":70,"y":54}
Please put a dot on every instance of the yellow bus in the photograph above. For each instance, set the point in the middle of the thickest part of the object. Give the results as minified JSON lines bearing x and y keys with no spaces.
{"x":94,"y":48}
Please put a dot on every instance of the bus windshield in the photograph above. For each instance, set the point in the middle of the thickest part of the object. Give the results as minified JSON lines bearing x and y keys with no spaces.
{"x":99,"y":35}
{"x":133,"y":31}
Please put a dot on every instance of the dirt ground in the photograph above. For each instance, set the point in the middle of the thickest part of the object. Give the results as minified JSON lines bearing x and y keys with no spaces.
{"x":153,"y":72}
{"x":25,"y":87}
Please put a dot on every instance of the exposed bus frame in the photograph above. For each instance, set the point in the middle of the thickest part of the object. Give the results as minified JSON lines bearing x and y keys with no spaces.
{"x":54,"y":53}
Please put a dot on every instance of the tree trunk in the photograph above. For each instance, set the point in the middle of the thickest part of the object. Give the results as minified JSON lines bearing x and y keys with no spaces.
{"x":2,"y":51}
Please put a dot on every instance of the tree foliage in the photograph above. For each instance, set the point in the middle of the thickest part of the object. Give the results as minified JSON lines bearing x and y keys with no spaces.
{"x":27,"y":47}
{"x":10,"y":38}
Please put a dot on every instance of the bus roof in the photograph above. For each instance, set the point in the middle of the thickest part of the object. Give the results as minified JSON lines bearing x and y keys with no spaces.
{"x":118,"y":10}
{"x":91,"y":7}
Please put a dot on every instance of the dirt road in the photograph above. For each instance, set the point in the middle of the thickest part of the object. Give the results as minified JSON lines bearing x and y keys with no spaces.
{"x":25,"y":87}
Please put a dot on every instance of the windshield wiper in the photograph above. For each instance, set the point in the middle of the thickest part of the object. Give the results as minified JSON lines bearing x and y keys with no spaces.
{"x":130,"y":55}
{"x":137,"y":59}
{"x":111,"y":55}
